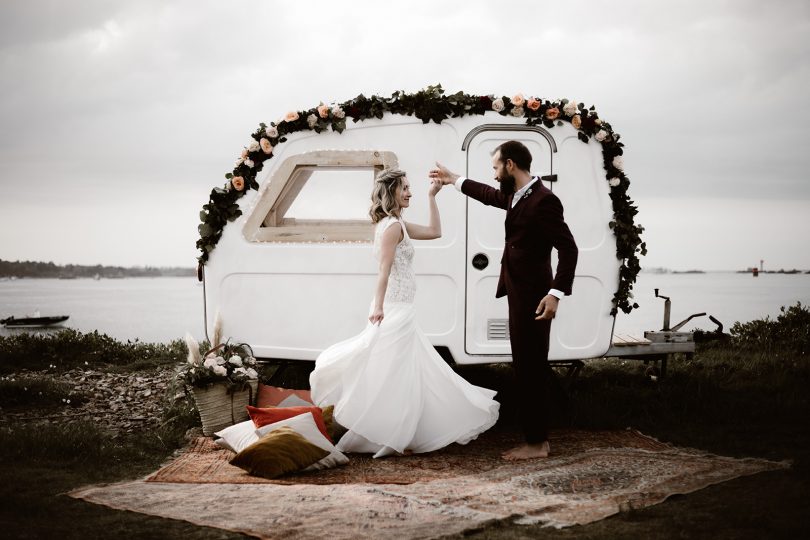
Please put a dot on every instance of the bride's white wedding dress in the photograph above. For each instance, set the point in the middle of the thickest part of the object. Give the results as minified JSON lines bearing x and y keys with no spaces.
{"x":390,"y":387}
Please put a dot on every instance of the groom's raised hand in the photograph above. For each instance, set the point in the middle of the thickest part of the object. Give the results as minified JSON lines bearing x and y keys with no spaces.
{"x":443,"y":174}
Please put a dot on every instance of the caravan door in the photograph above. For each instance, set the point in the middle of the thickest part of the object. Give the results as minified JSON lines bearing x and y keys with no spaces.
{"x":583,"y":326}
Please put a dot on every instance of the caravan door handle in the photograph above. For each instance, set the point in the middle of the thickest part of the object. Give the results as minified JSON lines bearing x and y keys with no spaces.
{"x":480,"y":261}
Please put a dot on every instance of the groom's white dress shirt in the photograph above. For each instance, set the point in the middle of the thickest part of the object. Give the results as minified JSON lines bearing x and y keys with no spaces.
{"x":516,"y":199}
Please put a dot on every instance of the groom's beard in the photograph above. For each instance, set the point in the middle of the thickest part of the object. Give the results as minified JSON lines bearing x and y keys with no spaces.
{"x":507,"y":186}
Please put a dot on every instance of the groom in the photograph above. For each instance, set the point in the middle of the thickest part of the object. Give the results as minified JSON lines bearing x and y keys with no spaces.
{"x":534,"y":224}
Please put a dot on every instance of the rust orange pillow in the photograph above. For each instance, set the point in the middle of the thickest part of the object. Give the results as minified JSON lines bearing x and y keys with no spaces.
{"x":262,"y":416}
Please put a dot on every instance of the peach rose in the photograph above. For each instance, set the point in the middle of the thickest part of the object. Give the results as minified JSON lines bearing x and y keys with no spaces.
{"x":553,"y":113}
{"x":518,"y":100}
{"x":323,"y":110}
{"x":601,"y":135}
{"x":598,"y":121}
{"x":291,"y":116}
{"x":271,"y":131}
{"x":267,"y":148}
{"x":238,"y":183}
{"x":618,"y":162}
{"x":244,"y":153}
{"x":533,"y":104}
{"x":576,"y":121}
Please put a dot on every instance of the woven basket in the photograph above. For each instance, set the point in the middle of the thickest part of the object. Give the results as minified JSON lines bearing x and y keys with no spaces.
{"x":220,"y":408}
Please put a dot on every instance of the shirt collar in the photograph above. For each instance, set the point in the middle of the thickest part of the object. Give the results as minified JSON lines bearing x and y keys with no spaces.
{"x":519,"y":193}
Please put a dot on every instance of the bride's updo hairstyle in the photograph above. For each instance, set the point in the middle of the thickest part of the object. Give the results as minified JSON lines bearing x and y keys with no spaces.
{"x":384,"y":194}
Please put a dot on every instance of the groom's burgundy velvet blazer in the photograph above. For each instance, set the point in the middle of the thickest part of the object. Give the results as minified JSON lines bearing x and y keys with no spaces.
{"x":533,"y":227}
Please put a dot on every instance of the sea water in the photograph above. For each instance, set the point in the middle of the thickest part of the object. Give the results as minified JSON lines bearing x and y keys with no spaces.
{"x":165,"y":308}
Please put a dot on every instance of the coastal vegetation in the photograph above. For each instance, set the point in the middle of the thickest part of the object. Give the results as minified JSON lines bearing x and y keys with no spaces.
{"x":743,"y":394}
{"x":32,"y":269}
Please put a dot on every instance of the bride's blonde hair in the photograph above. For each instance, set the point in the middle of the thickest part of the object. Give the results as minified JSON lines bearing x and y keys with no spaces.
{"x":384,"y":194}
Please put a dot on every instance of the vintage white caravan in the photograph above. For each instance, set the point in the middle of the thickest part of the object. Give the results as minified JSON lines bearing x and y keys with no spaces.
{"x":295,"y":272}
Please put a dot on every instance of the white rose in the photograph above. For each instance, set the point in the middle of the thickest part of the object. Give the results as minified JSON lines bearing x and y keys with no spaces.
{"x":249,"y":162}
{"x":615,"y":181}
{"x":238,"y":162}
{"x":337,"y":112}
{"x":271,"y":131}
{"x":517,"y":111}
{"x":600,"y":135}
{"x":219,"y":360}
{"x":253,"y":146}
{"x":618,"y":162}
{"x":210,"y":362}
{"x":252,"y":373}
{"x":235,"y":360}
{"x":220,"y":370}
{"x":250,"y":361}
{"x":312,"y":120}
{"x":570,"y":108}
{"x":497,"y":105}
{"x":240,"y":371}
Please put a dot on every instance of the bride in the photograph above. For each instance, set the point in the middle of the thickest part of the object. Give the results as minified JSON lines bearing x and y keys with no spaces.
{"x":389,"y":386}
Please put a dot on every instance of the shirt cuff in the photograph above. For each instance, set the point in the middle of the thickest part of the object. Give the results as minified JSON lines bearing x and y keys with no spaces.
{"x":556,"y":293}
{"x":459,"y":181}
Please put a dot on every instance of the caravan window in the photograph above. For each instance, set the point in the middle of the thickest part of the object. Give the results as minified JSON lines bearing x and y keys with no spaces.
{"x":319,"y":196}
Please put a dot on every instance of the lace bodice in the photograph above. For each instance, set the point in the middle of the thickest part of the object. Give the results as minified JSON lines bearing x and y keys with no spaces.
{"x":402,"y":281}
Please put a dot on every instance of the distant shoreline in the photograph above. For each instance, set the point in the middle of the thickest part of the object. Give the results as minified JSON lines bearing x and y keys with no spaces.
{"x":32,"y":269}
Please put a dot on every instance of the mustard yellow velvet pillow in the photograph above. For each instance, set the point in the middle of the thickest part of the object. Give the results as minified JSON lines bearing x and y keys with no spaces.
{"x":334,"y":429}
{"x":279,"y":452}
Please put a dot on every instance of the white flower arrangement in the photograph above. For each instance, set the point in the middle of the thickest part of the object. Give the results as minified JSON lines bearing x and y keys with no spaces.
{"x":230,"y":363}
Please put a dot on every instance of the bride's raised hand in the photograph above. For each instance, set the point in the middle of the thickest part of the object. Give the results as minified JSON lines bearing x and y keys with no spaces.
{"x":435,"y":187}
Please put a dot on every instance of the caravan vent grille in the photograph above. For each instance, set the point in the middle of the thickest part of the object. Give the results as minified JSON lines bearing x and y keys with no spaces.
{"x":498,"y":329}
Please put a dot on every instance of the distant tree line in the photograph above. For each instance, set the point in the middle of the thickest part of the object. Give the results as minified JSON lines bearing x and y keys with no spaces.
{"x":51,"y":270}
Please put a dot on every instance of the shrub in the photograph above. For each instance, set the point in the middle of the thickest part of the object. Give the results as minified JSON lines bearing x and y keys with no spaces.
{"x":69,"y":348}
{"x":790,"y":331}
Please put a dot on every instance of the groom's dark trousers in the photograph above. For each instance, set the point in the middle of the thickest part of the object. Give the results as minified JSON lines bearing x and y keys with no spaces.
{"x":532,"y":228}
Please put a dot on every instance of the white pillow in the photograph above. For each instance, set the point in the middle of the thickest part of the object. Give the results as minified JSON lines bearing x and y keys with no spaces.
{"x":238,"y":436}
{"x":294,"y":401}
{"x":304,"y":425}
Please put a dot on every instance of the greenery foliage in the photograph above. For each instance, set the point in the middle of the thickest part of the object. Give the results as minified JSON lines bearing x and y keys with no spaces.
{"x":68,"y":349}
{"x":790,"y":330}
{"x":432,"y":105}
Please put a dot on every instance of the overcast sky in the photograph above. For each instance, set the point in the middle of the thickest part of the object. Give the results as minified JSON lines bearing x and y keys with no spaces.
{"x":119,"y":117}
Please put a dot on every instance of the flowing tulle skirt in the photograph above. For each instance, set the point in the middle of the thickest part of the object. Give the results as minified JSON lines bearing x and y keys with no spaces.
{"x":393,"y":391}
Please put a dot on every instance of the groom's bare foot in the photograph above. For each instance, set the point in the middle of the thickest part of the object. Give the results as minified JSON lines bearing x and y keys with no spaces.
{"x":528,"y":451}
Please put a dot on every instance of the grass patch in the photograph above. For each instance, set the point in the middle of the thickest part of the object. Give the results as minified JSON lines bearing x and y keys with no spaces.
{"x":27,"y":391}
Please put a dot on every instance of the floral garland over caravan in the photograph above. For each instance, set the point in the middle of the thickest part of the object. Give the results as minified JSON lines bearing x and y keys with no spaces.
{"x":431,"y":104}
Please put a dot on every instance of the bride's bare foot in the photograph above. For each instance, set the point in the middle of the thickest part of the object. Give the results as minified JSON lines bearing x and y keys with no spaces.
{"x":528,"y":451}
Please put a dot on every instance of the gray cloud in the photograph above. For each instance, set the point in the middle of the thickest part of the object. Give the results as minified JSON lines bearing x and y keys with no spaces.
{"x":103,"y":98}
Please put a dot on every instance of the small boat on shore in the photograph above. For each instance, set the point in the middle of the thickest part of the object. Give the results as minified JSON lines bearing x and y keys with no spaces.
{"x":33,"y":322}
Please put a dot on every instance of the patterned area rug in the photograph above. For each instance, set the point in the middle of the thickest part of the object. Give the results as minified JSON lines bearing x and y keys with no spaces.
{"x":590,"y":476}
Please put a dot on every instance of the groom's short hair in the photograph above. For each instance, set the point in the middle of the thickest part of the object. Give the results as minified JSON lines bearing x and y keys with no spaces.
{"x":517,"y":152}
